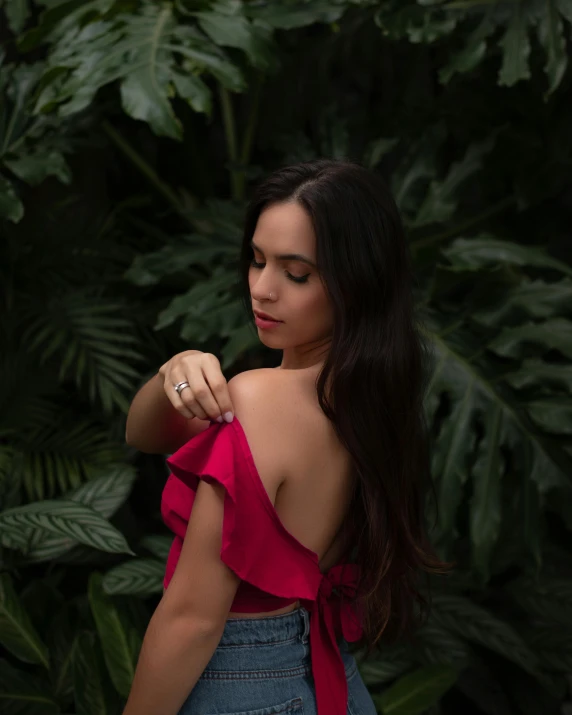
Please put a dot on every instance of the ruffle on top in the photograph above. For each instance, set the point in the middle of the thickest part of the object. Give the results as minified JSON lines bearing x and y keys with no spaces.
{"x":274,"y":567}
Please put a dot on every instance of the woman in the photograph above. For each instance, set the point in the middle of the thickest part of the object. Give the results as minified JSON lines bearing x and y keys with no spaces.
{"x":298,"y":524}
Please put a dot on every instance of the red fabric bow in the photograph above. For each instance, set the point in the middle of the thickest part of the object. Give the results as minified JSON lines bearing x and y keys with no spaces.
{"x":333,"y":616}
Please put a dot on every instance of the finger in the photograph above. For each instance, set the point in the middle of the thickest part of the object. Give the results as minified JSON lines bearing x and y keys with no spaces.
{"x":198,"y":396}
{"x":217,"y":384}
{"x":170,"y":381}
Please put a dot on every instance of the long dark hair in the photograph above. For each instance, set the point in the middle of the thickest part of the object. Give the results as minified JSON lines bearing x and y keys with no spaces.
{"x":372,"y":382}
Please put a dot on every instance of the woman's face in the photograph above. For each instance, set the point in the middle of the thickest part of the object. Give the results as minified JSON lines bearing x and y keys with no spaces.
{"x":298,"y":295}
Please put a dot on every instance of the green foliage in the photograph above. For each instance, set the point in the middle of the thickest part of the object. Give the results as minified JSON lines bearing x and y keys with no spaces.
{"x":119,"y":640}
{"x":417,"y":691}
{"x":31,"y":148}
{"x":481,"y":22}
{"x":109,"y":266}
{"x":17,"y":633}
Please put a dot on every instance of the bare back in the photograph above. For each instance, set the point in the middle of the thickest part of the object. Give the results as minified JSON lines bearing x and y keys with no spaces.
{"x":314,"y":491}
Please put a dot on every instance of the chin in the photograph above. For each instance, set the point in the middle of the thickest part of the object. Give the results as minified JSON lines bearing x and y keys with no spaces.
{"x":270,"y":342}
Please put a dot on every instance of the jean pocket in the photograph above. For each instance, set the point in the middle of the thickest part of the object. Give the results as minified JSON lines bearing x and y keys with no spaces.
{"x":290,"y":707}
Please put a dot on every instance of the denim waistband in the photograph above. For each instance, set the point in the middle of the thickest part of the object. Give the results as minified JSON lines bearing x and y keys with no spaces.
{"x":267,"y":629}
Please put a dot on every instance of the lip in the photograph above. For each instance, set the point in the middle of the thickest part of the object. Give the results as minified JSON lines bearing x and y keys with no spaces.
{"x":265,"y":316}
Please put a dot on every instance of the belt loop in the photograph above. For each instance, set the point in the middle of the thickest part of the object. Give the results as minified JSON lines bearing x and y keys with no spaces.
{"x":306,"y":618}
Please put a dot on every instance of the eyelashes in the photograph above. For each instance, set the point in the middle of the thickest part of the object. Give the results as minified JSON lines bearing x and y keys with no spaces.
{"x":300,"y":279}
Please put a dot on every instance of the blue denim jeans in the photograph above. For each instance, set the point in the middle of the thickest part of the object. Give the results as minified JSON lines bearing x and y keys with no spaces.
{"x":262,"y":667}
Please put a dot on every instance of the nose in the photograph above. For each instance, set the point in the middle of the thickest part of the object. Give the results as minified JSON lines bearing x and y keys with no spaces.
{"x":261,"y":288}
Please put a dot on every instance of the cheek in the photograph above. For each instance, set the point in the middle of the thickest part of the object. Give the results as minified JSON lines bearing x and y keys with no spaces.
{"x":317,"y":305}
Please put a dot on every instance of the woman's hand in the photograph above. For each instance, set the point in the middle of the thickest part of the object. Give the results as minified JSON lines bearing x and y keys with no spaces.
{"x":207,"y":395}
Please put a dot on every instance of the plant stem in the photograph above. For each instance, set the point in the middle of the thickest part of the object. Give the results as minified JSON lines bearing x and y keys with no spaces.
{"x":469,"y":223}
{"x":230,"y":135}
{"x":147,"y":170}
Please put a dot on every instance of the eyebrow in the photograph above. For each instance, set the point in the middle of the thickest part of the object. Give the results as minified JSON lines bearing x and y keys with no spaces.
{"x":288,"y":256}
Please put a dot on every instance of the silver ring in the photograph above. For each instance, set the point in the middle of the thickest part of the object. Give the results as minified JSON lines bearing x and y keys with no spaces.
{"x":180,"y":387}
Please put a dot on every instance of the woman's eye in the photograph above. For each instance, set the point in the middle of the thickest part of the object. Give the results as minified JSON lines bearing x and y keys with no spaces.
{"x":296,"y":279}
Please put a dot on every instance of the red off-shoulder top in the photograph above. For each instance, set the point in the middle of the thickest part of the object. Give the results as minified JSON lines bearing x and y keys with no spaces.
{"x":274,"y":567}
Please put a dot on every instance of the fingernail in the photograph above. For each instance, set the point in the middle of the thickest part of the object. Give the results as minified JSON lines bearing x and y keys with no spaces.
{"x":228,"y":416}
{"x":219,"y":419}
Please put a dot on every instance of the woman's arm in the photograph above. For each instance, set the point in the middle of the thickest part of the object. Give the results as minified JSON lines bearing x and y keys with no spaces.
{"x":154,"y":425}
{"x":160,"y":420}
{"x":175,"y":652}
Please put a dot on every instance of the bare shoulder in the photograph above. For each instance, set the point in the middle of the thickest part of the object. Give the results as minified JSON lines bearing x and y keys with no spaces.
{"x":255,"y":385}
{"x":263,"y":406}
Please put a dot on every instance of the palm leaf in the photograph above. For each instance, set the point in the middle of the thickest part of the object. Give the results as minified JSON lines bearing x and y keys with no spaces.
{"x":59,"y":456}
{"x":93,"y":344}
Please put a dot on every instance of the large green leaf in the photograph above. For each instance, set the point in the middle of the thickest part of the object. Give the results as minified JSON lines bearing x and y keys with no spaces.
{"x":22,"y":693}
{"x":116,"y":638}
{"x":150,"y":53}
{"x":418,"y":24}
{"x":551,"y":35}
{"x":140,"y":576}
{"x":552,"y":414}
{"x":226,"y":23}
{"x":17,"y":12}
{"x":536,"y":373}
{"x":30,"y":148}
{"x":103,"y":494}
{"x":476,"y":398}
{"x":553,"y":334}
{"x":62,"y":636}
{"x":67,"y":518}
{"x":41,"y":162}
{"x":416,"y":692}
{"x":193,"y":251}
{"x":516,"y":48}
{"x":207,"y":309}
{"x":89,"y":696}
{"x":485,"y":250}
{"x":535,"y":299}
{"x":472,"y":53}
{"x":441,"y":198}
{"x":17,"y":633}
{"x":286,"y":15}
